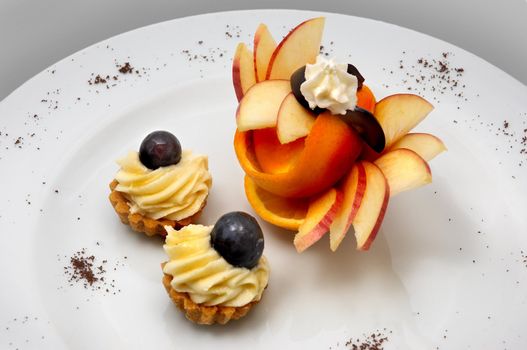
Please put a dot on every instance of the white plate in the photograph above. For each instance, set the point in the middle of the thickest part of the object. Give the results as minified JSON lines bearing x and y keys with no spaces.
{"x":447,"y":269}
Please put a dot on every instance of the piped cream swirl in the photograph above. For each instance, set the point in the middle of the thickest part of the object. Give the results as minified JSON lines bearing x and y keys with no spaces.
{"x":329,"y":85}
{"x":198,"y":269}
{"x":173,"y":192}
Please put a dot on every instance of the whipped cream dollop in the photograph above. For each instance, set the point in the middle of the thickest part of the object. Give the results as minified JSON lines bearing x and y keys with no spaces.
{"x":173,"y":192}
{"x":329,"y":85}
{"x":197,"y":269}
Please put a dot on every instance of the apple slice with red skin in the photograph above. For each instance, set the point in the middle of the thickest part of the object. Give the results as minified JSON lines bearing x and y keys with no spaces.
{"x":352,"y":187}
{"x":242,"y":70}
{"x":264,"y":46}
{"x":404,"y":169}
{"x":294,"y":121}
{"x":259,"y":107}
{"x":427,"y":146}
{"x":400,"y":113}
{"x":299,"y":47}
{"x":320,"y":215}
{"x":370,"y":214}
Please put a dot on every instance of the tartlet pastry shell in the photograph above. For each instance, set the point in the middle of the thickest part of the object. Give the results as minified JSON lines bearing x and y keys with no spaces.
{"x":141,"y":223}
{"x":201,"y":314}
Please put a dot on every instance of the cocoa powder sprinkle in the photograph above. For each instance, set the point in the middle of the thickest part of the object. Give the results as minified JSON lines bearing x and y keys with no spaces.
{"x":91,"y":273}
{"x":82,"y":269}
{"x":125,"y":68}
{"x":374,"y":341}
{"x":433,"y":74}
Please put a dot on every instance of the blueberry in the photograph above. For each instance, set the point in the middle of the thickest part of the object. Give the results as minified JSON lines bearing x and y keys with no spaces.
{"x":159,"y":148}
{"x":238,"y":238}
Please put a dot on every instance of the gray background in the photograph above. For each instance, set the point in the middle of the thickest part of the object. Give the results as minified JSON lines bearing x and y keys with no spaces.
{"x":36,"y":33}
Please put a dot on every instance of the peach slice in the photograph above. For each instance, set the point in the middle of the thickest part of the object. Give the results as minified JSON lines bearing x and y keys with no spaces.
{"x":242,"y":70}
{"x":294,"y":121}
{"x":329,"y":152}
{"x":300,"y":47}
{"x":370,"y":214}
{"x":321,"y":212}
{"x":366,"y":98}
{"x":259,"y":107}
{"x":400,"y":113}
{"x":353,"y":187}
{"x":272,"y":156}
{"x":427,"y":146}
{"x":404,"y":169}
{"x":264,"y":46}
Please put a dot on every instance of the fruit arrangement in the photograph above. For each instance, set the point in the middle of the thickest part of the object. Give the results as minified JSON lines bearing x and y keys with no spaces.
{"x":319,"y":167}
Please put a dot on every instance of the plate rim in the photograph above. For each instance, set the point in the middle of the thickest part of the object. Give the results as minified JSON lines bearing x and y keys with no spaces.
{"x":248,"y":11}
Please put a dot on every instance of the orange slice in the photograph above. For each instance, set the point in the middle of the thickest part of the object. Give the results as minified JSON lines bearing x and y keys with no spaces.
{"x":288,"y":213}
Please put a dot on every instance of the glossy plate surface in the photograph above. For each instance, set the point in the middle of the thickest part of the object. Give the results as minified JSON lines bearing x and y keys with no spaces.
{"x":448,"y":269}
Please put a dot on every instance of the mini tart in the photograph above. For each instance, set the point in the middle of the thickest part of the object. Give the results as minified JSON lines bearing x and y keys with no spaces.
{"x":141,"y":223}
{"x":201,"y":314}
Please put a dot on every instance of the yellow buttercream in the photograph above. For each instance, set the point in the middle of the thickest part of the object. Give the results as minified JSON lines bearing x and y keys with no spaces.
{"x":197,"y":269}
{"x":173,"y":192}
